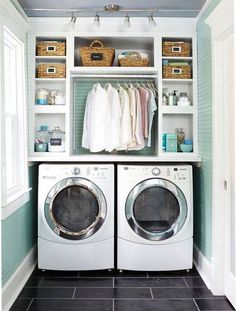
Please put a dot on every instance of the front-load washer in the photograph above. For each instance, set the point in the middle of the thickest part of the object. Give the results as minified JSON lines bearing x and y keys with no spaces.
{"x":155,"y":217}
{"x":76,"y":216}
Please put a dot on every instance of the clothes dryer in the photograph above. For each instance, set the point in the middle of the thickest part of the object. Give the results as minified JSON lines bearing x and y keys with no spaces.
{"x":155,"y":217}
{"x":76,"y":217}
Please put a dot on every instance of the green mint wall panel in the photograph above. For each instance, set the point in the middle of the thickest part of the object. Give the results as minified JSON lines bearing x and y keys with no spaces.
{"x":203,"y":175}
{"x":19,"y":231}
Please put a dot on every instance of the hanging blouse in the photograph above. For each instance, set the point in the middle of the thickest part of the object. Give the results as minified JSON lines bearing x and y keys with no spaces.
{"x":144,"y":96}
{"x":138,"y":127}
{"x":133,"y":115}
{"x":151,"y":111}
{"x":125,"y":124}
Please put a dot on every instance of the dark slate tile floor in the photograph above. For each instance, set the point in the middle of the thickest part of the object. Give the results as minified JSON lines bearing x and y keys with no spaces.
{"x":117,"y":291}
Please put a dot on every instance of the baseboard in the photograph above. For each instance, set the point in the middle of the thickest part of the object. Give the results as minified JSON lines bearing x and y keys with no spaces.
{"x":17,"y":281}
{"x":204,"y":267}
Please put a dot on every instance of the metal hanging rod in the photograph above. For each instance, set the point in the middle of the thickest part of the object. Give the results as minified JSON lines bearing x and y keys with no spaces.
{"x":113,"y":76}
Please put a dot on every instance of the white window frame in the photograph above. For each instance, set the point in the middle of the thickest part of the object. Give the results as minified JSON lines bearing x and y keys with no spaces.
{"x":13,"y":29}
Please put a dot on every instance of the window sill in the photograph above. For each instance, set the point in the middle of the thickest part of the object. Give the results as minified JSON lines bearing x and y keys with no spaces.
{"x":15,"y":202}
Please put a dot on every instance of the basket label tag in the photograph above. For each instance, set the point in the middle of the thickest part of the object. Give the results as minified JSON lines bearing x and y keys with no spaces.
{"x":176,"y":71}
{"x":96,"y":56}
{"x":51,"y":48}
{"x":51,"y":70}
{"x":176,"y":49}
{"x":55,"y":141}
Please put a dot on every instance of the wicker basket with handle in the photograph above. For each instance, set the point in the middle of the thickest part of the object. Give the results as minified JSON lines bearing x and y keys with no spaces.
{"x":51,"y":70}
{"x":133,"y":59}
{"x":51,"y":48}
{"x":97,"y":56}
{"x":181,"y":49}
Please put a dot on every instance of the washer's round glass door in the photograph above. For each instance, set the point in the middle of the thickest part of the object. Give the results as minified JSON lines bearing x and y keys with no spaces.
{"x":75,"y":208}
{"x":156,"y":209}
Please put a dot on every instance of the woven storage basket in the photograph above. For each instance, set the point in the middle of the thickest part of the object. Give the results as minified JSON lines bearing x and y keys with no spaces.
{"x":51,"y":71}
{"x":97,"y":56}
{"x":176,"y":72}
{"x":181,"y":49}
{"x":51,"y":48}
{"x":133,"y":60}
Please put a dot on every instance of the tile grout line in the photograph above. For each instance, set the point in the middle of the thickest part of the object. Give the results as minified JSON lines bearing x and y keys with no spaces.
{"x":113,"y":304}
{"x":40,"y":283}
{"x":151,"y":293}
{"x":196,"y":304}
{"x":30,"y":304}
{"x":73,"y":296}
{"x":185,"y":282}
{"x":113,"y":282}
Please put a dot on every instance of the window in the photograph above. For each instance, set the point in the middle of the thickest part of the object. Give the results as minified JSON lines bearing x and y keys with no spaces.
{"x":14,"y":165}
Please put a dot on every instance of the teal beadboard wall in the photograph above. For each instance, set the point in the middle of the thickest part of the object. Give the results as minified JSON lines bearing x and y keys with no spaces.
{"x":203,"y":175}
{"x":19,"y":231}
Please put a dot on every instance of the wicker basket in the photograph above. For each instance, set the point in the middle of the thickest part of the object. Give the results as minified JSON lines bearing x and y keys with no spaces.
{"x":51,"y":48}
{"x":181,"y":49}
{"x":133,"y":60}
{"x":97,"y":56}
{"x":51,"y":70}
{"x":176,"y":72}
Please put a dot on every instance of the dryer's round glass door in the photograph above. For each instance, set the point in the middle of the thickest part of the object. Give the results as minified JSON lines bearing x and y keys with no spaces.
{"x":75,"y":208}
{"x":156,"y":209}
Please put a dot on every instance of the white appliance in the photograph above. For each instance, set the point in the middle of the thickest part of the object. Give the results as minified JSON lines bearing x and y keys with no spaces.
{"x":76,"y":217}
{"x":155,"y":217}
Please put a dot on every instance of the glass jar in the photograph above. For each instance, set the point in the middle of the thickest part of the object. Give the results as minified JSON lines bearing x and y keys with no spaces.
{"x":180,"y":137}
{"x":165,"y":96}
{"x":56,"y":140}
{"x":42,"y":96}
{"x":52,"y":96}
{"x":41,"y":140}
{"x":60,"y":98}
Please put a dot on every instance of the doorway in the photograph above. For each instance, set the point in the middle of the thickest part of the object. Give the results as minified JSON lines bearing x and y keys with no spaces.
{"x":224,"y":135}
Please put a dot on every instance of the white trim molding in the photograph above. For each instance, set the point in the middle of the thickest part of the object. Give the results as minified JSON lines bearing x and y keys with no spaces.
{"x":204,"y":267}
{"x":221,"y":22}
{"x":17,"y":281}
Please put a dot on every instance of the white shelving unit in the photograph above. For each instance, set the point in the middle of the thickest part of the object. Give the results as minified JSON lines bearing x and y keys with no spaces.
{"x":172,"y":117}
{"x":52,"y":115}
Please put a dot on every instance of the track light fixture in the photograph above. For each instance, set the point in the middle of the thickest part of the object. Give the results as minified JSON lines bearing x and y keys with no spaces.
{"x":127,"y":22}
{"x":110,"y":9}
{"x":96,"y":22}
{"x":151,"y":21}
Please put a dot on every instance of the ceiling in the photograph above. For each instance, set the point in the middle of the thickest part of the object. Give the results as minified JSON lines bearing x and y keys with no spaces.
{"x":166,"y":8}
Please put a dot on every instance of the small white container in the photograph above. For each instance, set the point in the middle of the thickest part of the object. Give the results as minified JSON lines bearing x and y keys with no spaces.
{"x":56,"y":140}
{"x":183,"y":100}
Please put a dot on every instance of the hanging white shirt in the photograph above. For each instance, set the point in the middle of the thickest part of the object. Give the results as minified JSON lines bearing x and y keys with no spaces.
{"x":115,"y":117}
{"x":97,"y":121}
{"x":125,"y":124}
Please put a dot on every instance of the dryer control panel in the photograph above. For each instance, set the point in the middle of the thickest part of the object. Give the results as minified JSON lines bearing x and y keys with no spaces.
{"x":175,"y":173}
